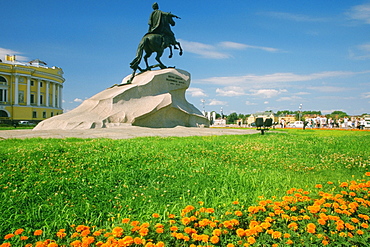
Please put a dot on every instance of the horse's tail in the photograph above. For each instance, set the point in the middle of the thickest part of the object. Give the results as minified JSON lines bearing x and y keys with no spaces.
{"x":139,"y":54}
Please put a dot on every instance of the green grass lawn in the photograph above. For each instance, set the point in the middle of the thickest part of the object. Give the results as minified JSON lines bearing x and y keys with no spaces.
{"x":51,"y":184}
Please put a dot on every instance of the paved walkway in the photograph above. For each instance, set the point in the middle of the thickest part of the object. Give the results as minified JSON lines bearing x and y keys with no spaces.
{"x":122,"y":132}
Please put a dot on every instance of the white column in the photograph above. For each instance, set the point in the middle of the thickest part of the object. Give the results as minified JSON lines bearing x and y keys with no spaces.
{"x":53,"y":96}
{"x":60,"y":96}
{"x":28,"y":97}
{"x":47,"y":85}
{"x":16,"y":93}
{"x":38,"y":92}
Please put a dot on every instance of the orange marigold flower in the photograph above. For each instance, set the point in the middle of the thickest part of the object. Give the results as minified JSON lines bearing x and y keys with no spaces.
{"x":144,"y":231}
{"x":18,"y":231}
{"x":276,"y":234}
{"x":319,"y":186}
{"x":306,"y":217}
{"x":364,"y":216}
{"x":293,"y":226}
{"x":210,"y":210}
{"x":37,"y":233}
{"x":344,"y":184}
{"x":238,"y":213}
{"x":364,"y":225}
{"x":321,"y":221}
{"x":126,"y":241}
{"x":230,"y":245}
{"x":135,"y":223}
{"x":174,"y":228}
{"x":117,"y":231}
{"x":236,"y":202}
{"x":97,"y":233}
{"x":160,"y":244}
{"x":76,"y":243}
{"x":85,"y":233}
{"x":155,"y":215}
{"x":360,"y":232}
{"x":8,"y":236}
{"x":286,"y":235}
{"x":367,"y":173}
{"x":88,"y":240}
{"x":125,"y":220}
{"x":325,"y":242}
{"x":185,"y":220}
{"x":159,"y":230}
{"x":251,"y":240}
{"x":214,"y":239}
{"x":240,"y":232}
{"x":217,"y":232}
{"x":61,"y":234}
{"x":138,"y":241}
{"x":23,"y":238}
{"x":53,"y":244}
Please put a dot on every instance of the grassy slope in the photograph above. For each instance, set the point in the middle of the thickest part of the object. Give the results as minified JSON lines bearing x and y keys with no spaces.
{"x":52,"y":183}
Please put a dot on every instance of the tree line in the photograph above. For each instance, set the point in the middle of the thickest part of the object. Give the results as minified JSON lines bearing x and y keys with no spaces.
{"x":233,"y":117}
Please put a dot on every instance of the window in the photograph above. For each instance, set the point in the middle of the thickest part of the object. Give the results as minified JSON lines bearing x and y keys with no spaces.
{"x":40,"y":83}
{"x":3,"y":94}
{"x":21,"y":97}
{"x":34,"y":114}
{"x":2,"y":81}
{"x":51,"y":114}
{"x":32,"y":99}
{"x":44,"y":114}
{"x":32,"y":83}
{"x":41,"y":99}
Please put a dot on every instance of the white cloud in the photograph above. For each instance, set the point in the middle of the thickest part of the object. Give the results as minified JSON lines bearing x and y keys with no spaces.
{"x":217,"y":51}
{"x":293,"y":17}
{"x":302,"y":93}
{"x":216,"y":102}
{"x":232,"y":45}
{"x":366,"y":95}
{"x":328,"y":89}
{"x":360,"y":52}
{"x":360,"y":12}
{"x":250,"y":103}
{"x":266,"y":102}
{"x":77,"y":100}
{"x":196,"y":92}
{"x":275,"y":80}
{"x":205,"y":50}
{"x":4,"y":52}
{"x":230,"y":91}
{"x":267,"y":93}
{"x":290,"y":98}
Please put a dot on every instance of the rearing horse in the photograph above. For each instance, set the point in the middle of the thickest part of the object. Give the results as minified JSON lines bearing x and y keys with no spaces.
{"x":150,"y":43}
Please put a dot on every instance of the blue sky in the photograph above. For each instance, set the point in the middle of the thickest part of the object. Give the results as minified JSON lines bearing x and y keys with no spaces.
{"x":244,"y":56}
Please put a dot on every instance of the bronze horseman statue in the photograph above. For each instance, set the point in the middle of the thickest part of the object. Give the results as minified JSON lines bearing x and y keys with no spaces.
{"x":158,"y":38}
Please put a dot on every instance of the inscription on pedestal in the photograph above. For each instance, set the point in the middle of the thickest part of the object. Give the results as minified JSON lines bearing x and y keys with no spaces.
{"x":175,"y":80}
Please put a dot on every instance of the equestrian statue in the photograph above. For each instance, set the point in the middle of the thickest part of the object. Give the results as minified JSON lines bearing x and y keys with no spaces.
{"x":158,"y":38}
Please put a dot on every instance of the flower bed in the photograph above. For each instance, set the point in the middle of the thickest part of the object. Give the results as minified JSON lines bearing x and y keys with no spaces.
{"x":329,"y":215}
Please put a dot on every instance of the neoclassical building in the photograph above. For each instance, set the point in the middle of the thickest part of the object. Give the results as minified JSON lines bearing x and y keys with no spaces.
{"x":29,"y":91}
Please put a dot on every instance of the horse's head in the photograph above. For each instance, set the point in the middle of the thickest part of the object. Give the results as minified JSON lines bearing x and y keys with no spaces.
{"x":170,"y":20}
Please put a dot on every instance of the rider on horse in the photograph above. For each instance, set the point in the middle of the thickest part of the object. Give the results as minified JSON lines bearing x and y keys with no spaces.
{"x":159,"y":24}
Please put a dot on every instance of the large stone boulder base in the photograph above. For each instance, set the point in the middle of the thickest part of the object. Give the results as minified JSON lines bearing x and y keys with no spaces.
{"x":154,"y":99}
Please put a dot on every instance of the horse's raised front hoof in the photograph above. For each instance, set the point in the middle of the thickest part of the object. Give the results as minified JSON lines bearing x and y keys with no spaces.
{"x":180,"y":53}
{"x":170,"y":56}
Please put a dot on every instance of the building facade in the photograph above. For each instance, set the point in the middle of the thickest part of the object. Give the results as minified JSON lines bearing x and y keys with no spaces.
{"x":29,"y":91}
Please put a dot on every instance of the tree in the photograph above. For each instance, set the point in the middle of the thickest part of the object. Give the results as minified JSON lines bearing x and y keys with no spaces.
{"x":232,"y":118}
{"x":337,"y":115}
